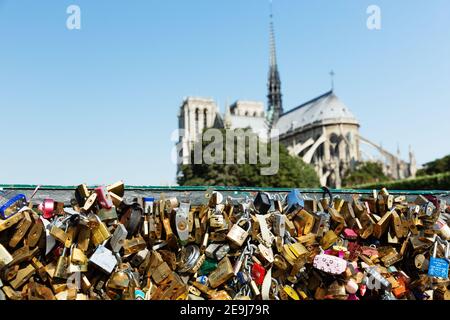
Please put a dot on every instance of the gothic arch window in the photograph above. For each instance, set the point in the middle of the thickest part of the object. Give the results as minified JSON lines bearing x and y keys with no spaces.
{"x":205,"y":118}
{"x":197,"y":127}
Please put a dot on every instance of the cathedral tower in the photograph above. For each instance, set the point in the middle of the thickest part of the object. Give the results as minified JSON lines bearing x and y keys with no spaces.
{"x":275,"y":103}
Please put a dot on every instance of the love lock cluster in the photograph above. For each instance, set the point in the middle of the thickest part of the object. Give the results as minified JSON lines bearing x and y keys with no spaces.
{"x":283,"y":246}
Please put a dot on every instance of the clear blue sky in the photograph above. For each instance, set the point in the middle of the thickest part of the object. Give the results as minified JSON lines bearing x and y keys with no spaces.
{"x":99,"y":104}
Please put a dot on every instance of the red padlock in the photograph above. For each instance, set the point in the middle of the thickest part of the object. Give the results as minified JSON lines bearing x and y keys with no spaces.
{"x":362,"y":289}
{"x":258,"y":273}
{"x":47,"y":208}
{"x":103,"y":197}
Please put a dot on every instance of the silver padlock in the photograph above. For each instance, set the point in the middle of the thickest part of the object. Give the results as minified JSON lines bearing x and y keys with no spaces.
{"x":104,"y":259}
{"x":279,"y":224}
{"x":181,"y":221}
{"x":238,"y":235}
{"x":119,"y":236}
{"x":217,"y":251}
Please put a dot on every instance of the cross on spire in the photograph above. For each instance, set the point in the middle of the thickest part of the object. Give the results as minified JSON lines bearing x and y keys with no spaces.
{"x":332,"y":74}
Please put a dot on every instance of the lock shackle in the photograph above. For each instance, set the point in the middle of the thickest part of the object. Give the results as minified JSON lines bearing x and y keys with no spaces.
{"x":326,"y":191}
{"x":247,"y":220}
{"x":71,"y":249}
{"x":446,"y":250}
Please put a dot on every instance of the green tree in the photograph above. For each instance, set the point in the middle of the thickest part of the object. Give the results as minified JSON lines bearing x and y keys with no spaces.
{"x":434,"y":167}
{"x":292,"y":173}
{"x":366,"y":172}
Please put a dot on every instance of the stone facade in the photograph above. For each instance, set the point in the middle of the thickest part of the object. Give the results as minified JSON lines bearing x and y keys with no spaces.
{"x":322,"y":131}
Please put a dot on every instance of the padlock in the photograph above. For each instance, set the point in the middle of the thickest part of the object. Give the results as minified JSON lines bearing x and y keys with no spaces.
{"x":188,"y":258}
{"x":5,"y":256}
{"x":337,"y":291}
{"x":171,"y":204}
{"x":23,"y":275}
{"x":381,"y":226}
{"x":81,"y":194}
{"x":328,"y":239}
{"x":279,"y":224}
{"x":223,"y":273}
{"x":47,"y":208}
{"x":237,"y":235}
{"x":421,"y":262}
{"x":310,"y":205}
{"x":119,"y":280}
{"x":134,"y":245}
{"x":280,"y":262}
{"x":78,"y":262}
{"x":90,"y":202}
{"x":118,"y":238}
{"x":10,"y":221}
{"x":61,"y":266}
{"x":216,"y":221}
{"x":442,"y":229}
{"x":258,"y":273}
{"x":215,"y":198}
{"x":217,"y":251}
{"x":77,"y":256}
{"x":103,"y":197}
{"x":294,"y":201}
{"x":21,"y":230}
{"x":84,"y":238}
{"x":307,"y":221}
{"x":291,"y":292}
{"x":254,"y":288}
{"x":350,"y":234}
{"x":330,"y":264}
{"x":100,"y":234}
{"x":266,"y":252}
{"x":438,"y":267}
{"x":161,"y":273}
{"x":35,"y":233}
{"x":351,"y":286}
{"x":104,"y":259}
{"x":132,"y":218}
{"x":262,"y":202}
{"x":107,"y":214}
{"x":181,"y":221}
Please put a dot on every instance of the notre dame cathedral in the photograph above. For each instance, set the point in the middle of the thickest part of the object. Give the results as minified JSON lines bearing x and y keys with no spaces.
{"x":322,"y":131}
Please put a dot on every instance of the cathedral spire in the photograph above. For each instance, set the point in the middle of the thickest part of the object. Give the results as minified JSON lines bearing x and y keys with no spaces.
{"x":275,"y":104}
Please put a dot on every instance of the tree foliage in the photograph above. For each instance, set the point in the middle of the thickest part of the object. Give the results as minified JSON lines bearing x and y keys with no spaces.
{"x":440,"y":181}
{"x":434,"y":167}
{"x":292,"y":173}
{"x":366,"y":172}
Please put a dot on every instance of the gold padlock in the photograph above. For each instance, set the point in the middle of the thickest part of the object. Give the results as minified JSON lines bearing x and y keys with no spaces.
{"x":78,"y":256}
{"x":328,"y":239}
{"x":134,"y":245}
{"x":100,"y":234}
{"x":21,"y":230}
{"x":223,"y":273}
{"x":61,"y":266}
{"x":58,"y":234}
{"x":216,"y":221}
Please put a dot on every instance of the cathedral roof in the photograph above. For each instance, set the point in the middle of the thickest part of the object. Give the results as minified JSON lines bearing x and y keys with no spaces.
{"x":325,"y":109}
